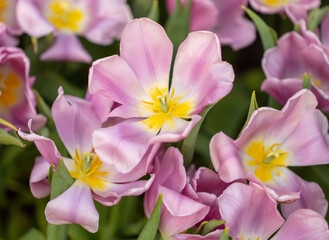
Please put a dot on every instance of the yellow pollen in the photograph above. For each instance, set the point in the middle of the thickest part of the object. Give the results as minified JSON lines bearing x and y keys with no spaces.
{"x":64,"y":16}
{"x":88,"y":170}
{"x":3,"y":7}
{"x":11,"y":91}
{"x":278,"y":3}
{"x":267,"y":160}
{"x":164,"y":109}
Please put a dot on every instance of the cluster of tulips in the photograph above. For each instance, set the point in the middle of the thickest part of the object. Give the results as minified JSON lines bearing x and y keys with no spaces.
{"x":135,"y":131}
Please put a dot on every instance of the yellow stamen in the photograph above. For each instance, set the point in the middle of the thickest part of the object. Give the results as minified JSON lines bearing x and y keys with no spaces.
{"x":165,"y":109}
{"x":64,"y":16}
{"x":267,"y":160}
{"x":88,"y":167}
{"x":11,"y":91}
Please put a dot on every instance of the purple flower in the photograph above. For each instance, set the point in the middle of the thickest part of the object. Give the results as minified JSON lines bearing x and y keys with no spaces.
{"x":272,"y":141}
{"x":224,"y":17}
{"x":9,"y":27}
{"x":138,"y":80}
{"x":75,"y":120}
{"x":100,"y":21}
{"x":295,"y":9}
{"x":286,"y":65}
{"x":17,"y":101}
{"x":251,"y":214}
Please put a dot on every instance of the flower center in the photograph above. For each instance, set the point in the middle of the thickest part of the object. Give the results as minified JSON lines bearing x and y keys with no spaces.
{"x":11,"y":91}
{"x":278,"y":3}
{"x":64,"y":16}
{"x":265,"y":161}
{"x":163,"y":110}
{"x":88,"y":169}
{"x":3,"y":7}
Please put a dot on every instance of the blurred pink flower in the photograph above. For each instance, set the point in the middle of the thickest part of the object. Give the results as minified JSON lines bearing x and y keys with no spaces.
{"x":17,"y":101}
{"x":273,"y":140}
{"x":9,"y":27}
{"x":295,"y":56}
{"x":295,"y":9}
{"x":224,"y":17}
{"x":139,"y":81}
{"x":75,"y":120}
{"x":251,"y":214}
{"x":100,"y":21}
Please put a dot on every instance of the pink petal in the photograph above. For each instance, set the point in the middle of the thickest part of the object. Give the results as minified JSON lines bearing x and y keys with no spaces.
{"x":199,"y":73}
{"x":170,"y":173}
{"x":179,"y":212}
{"x":122,"y":145}
{"x":39,"y":183}
{"x":204,"y":15}
{"x":215,"y":235}
{"x":31,"y":19}
{"x":75,"y":205}
{"x":225,"y":158}
{"x":325,"y":30}
{"x":75,"y":121}
{"x":46,"y":147}
{"x":66,"y":47}
{"x":149,"y":54}
{"x":181,"y":130}
{"x":112,"y":17}
{"x":311,"y":197}
{"x":113,"y":77}
{"x":303,"y":224}
{"x":249,"y":211}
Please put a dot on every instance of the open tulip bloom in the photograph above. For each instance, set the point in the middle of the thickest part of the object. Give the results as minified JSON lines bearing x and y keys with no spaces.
{"x":272,"y":141}
{"x":138,"y":80}
{"x":100,"y":21}
{"x":17,"y":101}
{"x":9,"y":27}
{"x":75,"y":121}
{"x":251,"y":214}
{"x":295,"y":9}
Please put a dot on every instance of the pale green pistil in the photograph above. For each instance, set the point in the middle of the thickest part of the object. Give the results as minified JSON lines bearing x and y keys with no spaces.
{"x":163,"y":102}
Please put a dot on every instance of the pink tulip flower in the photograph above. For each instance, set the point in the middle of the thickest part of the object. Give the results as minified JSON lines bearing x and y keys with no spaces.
{"x":295,"y":9}
{"x":9,"y":27}
{"x":17,"y":101}
{"x":286,"y":65}
{"x":75,"y":120}
{"x":179,"y":212}
{"x":100,"y":21}
{"x":251,"y":214}
{"x":138,"y":80}
{"x":224,"y":17}
{"x":273,"y":140}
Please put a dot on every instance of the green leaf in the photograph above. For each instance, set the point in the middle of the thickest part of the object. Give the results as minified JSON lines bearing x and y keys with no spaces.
{"x":267,"y":34}
{"x":225,"y":235}
{"x":211,"y":225}
{"x":307,"y":81}
{"x":150,"y":229}
{"x":178,"y":24}
{"x":154,"y":13}
{"x":141,"y":8}
{"x":50,"y":173}
{"x":188,"y":144}
{"x":33,"y":234}
{"x":8,"y":124}
{"x":316,"y":16}
{"x":8,"y":139}
{"x":61,"y":181}
{"x":252,"y":107}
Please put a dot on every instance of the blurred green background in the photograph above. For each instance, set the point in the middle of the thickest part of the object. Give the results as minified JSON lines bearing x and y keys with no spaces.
{"x":20,"y":212}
